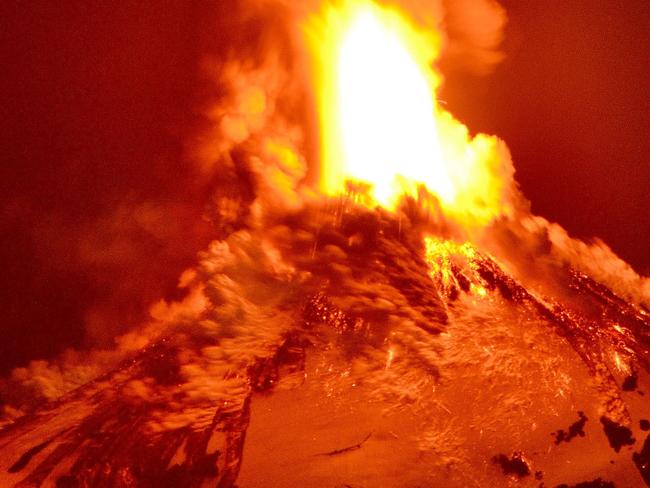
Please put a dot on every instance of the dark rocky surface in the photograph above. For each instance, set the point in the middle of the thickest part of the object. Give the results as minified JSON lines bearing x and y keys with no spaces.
{"x":642,"y":461}
{"x":514,"y":464}
{"x":597,"y":483}
{"x":574,"y":430}
{"x":618,"y":435}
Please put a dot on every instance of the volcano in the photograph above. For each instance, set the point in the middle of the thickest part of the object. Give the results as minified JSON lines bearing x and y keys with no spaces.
{"x":378,"y":359}
{"x":389,"y":326}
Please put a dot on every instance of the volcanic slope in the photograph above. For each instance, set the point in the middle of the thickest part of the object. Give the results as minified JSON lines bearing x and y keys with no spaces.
{"x":350,"y":347}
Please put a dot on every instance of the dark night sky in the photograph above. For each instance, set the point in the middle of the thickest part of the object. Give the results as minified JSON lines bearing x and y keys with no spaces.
{"x":98,"y":98}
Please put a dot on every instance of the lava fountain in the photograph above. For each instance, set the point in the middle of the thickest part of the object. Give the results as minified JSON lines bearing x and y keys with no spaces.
{"x":381,"y":123}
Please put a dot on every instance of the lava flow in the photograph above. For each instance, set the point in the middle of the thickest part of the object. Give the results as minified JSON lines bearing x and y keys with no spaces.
{"x":404,"y":321}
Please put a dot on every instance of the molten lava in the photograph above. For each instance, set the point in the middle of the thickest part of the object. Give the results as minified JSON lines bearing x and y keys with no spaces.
{"x":381,"y":123}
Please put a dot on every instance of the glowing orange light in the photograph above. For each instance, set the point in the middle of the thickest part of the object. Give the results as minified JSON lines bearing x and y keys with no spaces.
{"x":442,"y":255}
{"x":380,"y":122}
